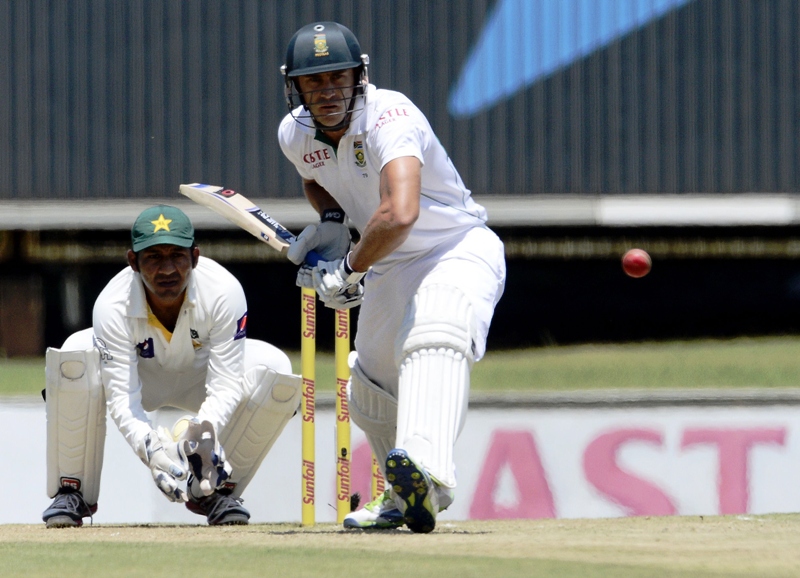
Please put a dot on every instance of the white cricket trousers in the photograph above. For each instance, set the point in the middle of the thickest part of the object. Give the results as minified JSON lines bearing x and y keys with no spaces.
{"x":474,"y":262}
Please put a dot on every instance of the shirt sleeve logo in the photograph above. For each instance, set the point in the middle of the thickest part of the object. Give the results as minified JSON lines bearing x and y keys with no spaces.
{"x":145,"y":348}
{"x":241,"y":327}
{"x":101,"y":346}
{"x":391,"y":116}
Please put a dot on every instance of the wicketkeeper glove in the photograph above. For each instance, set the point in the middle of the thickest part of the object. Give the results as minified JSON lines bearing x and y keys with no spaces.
{"x":337,"y":284}
{"x":207,"y":458}
{"x":168,"y":463}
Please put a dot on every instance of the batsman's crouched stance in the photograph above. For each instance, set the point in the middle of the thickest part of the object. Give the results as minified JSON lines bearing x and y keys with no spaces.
{"x":426,"y":270}
{"x":169,"y":331}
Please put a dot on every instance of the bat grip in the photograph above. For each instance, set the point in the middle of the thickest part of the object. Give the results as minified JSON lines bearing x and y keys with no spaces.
{"x":312,"y":258}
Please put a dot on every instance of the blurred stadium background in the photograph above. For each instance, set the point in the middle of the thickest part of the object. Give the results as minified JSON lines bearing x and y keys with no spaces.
{"x":585,"y":126}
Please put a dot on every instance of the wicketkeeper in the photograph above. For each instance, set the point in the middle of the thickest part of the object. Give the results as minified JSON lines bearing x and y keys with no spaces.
{"x":432,"y":271}
{"x":168,"y":331}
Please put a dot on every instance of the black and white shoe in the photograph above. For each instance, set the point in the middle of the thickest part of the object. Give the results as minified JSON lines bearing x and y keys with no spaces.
{"x":220,"y":508}
{"x":67,"y":510}
{"x":415,"y":491}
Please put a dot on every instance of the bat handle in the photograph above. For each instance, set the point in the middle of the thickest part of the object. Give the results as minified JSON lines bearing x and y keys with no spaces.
{"x":312,"y":258}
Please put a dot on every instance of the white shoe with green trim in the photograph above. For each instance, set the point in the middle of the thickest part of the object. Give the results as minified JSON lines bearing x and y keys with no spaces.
{"x":379,"y":514}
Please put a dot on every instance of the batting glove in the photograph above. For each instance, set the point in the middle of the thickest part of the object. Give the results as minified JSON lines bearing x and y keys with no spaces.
{"x":346,"y":298}
{"x":330,"y":238}
{"x":337,"y":284}
{"x":168,"y":463}
{"x":305,"y":278}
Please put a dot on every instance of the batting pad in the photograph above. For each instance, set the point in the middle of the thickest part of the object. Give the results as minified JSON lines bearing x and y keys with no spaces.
{"x":270,"y":399}
{"x":374,"y":410}
{"x":76,"y":422}
{"x":435,"y":350}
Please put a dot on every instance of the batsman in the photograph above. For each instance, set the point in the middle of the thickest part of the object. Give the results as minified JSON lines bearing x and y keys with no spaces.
{"x":169,"y":330}
{"x":432,"y":271}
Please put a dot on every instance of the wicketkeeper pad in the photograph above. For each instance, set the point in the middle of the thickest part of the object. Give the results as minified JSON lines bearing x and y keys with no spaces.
{"x":270,"y":399}
{"x":435,"y":357}
{"x":76,"y":422}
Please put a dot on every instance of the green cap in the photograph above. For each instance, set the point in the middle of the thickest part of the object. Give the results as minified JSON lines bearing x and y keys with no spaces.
{"x":161,"y":225}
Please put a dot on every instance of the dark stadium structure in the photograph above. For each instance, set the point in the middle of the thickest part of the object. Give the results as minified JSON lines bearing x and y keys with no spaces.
{"x":107,"y":103}
{"x":125,"y":99}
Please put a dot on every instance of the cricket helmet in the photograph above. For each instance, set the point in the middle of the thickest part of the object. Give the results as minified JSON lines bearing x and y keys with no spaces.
{"x":323,"y":47}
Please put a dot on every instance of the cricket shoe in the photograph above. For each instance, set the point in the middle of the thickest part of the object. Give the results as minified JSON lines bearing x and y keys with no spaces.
{"x":220,"y":508}
{"x":67,"y":510}
{"x":415,"y":491}
{"x":380,"y":514}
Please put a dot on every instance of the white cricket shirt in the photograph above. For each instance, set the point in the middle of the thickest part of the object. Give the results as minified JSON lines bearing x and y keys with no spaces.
{"x":390,"y":126}
{"x":144,"y":367}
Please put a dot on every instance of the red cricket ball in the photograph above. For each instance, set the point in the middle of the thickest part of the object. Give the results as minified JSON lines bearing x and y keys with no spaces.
{"x":636,"y":263}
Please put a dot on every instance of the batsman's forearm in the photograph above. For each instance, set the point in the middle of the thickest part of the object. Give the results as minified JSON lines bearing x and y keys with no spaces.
{"x":390,"y":225}
{"x":318,"y":197}
{"x":378,"y":241}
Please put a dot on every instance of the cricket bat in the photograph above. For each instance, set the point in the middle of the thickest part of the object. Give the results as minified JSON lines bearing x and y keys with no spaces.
{"x":241,"y":211}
